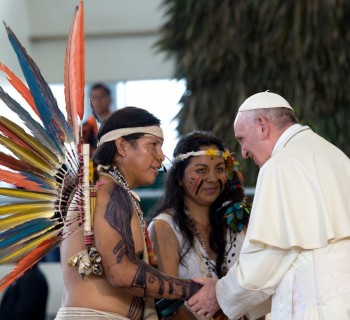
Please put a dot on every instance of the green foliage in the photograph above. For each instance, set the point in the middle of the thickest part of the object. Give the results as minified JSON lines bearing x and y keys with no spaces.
{"x":227,"y":50}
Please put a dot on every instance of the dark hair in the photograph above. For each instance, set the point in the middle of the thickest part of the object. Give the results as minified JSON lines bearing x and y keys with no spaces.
{"x":174,"y":198}
{"x":100,"y":86}
{"x":128,"y":117}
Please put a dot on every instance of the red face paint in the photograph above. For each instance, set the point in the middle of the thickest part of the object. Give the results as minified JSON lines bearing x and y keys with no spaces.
{"x":197,"y":183}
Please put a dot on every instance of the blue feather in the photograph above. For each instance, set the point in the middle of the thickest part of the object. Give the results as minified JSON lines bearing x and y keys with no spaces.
{"x":42,"y":183}
{"x":42,"y":94}
{"x":23,"y":231}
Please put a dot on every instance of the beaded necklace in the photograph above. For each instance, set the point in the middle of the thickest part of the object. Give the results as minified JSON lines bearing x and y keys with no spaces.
{"x":133,"y":197}
{"x":210,"y":268}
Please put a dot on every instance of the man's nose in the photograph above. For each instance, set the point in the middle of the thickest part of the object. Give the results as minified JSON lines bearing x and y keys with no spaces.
{"x":160,"y":154}
{"x":245,"y":154}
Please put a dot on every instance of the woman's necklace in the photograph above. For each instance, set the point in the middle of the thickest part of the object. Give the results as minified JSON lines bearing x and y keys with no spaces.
{"x":133,"y":197}
{"x":210,"y":267}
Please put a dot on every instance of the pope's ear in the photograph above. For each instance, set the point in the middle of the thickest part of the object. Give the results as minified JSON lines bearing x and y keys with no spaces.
{"x":264,"y":127}
{"x":120,"y":145}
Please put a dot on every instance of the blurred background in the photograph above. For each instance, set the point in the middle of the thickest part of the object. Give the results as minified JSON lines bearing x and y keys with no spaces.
{"x":192,"y":63}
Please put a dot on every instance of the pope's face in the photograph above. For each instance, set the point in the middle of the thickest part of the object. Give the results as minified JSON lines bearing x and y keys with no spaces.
{"x":249,"y":135}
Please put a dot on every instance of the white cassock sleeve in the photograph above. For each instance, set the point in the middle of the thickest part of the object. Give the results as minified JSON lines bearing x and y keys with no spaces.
{"x":252,"y":280}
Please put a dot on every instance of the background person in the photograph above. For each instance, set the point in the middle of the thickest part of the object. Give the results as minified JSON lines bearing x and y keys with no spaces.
{"x":101,"y":100}
{"x":26,"y":298}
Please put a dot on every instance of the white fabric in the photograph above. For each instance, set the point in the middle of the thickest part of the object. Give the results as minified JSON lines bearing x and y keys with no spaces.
{"x":115,"y":134}
{"x":305,"y":183}
{"x":193,"y":264}
{"x":74,"y":313}
{"x":299,"y":225}
{"x":285,"y":137}
{"x":263,"y":100}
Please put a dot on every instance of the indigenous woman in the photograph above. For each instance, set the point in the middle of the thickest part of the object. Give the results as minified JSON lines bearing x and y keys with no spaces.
{"x":198,"y":228}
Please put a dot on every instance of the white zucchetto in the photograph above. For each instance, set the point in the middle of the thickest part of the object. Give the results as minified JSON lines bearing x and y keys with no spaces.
{"x":264,"y":100}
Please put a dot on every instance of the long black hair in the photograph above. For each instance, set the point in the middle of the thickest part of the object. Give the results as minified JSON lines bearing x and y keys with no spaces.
{"x":128,"y":117}
{"x":173,"y":198}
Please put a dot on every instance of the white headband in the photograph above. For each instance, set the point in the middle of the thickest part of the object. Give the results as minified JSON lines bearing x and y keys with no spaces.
{"x":115,"y":134}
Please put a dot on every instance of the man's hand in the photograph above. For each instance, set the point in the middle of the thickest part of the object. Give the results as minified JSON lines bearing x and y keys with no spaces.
{"x":204,"y":301}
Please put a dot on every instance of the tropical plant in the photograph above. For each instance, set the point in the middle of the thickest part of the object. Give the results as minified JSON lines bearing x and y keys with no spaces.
{"x":227,"y":50}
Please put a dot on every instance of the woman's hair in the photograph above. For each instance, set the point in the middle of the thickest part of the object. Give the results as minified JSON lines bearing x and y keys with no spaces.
{"x":173,"y":198}
{"x":128,"y":117}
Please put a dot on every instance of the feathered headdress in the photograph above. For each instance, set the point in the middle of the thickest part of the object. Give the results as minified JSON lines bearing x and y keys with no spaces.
{"x":45,"y":162}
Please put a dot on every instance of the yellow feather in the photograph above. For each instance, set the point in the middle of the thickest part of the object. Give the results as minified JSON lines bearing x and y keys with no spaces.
{"x":28,"y":156}
{"x":27,"y":194}
{"x":31,"y":141}
{"x":24,"y":207}
{"x":14,"y":220}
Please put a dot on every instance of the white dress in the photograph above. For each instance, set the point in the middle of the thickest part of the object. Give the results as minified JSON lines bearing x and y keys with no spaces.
{"x":194,"y":262}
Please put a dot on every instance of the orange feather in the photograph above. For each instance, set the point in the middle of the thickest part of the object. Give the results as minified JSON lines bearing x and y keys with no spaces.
{"x":74,"y":78}
{"x":29,"y":260}
{"x":20,"y":87}
{"x":20,"y":181}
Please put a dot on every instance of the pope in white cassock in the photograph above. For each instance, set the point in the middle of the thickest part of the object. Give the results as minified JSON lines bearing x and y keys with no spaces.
{"x":295,"y":260}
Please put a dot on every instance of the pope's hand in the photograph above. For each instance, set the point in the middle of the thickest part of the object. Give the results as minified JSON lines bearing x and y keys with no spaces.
{"x":204,"y":301}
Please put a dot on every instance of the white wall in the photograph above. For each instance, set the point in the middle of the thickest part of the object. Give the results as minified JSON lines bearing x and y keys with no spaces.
{"x":119,"y":37}
{"x":14,"y":14}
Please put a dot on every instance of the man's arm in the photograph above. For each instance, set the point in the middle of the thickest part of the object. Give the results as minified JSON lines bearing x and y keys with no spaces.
{"x":115,"y":240}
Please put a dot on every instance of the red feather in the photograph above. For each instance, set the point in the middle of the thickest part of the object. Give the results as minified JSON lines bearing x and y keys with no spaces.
{"x":74,"y":78}
{"x":20,"y":87}
{"x":15,"y":164}
{"x":8,"y":133}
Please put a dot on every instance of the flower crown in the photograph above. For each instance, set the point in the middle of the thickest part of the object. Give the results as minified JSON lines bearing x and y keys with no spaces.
{"x":208,"y":152}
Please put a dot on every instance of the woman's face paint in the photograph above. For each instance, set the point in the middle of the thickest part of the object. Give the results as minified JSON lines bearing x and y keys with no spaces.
{"x":221,"y":185}
{"x":196,"y":182}
{"x":204,"y":179}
